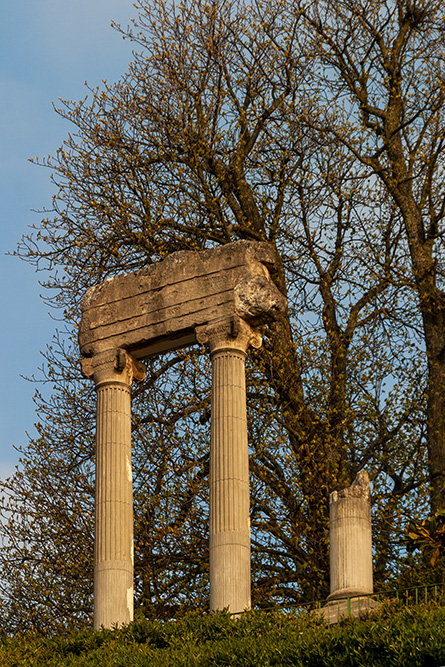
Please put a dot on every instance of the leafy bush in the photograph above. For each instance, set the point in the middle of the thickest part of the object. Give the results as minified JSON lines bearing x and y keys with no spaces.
{"x":395,"y":636}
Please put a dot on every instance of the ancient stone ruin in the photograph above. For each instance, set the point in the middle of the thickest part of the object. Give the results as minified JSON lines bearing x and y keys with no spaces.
{"x":351,"y":539}
{"x":350,"y":551}
{"x":216,"y":297}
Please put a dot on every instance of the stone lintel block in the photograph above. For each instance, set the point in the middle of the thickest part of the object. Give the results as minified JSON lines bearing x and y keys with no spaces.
{"x":159,"y":308}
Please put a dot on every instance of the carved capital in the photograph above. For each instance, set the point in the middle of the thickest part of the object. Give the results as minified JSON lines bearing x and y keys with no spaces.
{"x":233,"y":334}
{"x":113,"y":367}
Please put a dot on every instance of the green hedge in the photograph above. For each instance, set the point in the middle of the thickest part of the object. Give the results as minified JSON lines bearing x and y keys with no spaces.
{"x":395,"y":636}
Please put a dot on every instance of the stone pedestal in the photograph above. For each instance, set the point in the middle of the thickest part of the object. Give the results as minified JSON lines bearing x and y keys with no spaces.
{"x":353,"y":606}
{"x":229,"y":471}
{"x":113,"y":372}
{"x":351,"y":540}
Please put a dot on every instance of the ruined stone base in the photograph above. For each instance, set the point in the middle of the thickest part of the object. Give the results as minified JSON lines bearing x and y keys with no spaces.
{"x":356,"y":607}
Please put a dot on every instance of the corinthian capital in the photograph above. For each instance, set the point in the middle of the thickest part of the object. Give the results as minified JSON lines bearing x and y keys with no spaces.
{"x":113,"y":367}
{"x":229,"y":334}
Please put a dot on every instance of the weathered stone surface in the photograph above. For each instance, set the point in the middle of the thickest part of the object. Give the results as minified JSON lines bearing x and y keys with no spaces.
{"x":359,"y":488}
{"x":351,"y":540}
{"x":229,"y":473}
{"x":215,"y":297}
{"x":258,"y":300}
{"x":355,"y":606}
{"x":113,"y":372}
{"x":351,"y":552}
{"x":159,"y":308}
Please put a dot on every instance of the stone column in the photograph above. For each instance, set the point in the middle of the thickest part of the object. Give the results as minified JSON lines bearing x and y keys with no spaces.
{"x":229,"y":469}
{"x":351,"y":540}
{"x":113,"y":372}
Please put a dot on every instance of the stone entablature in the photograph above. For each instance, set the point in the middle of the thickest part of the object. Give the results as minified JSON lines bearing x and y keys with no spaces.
{"x":161,"y":307}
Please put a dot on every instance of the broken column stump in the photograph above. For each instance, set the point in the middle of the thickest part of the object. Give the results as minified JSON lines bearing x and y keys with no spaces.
{"x":350,"y":551}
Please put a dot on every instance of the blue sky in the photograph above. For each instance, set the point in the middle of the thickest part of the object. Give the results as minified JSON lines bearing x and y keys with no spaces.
{"x":48,"y":49}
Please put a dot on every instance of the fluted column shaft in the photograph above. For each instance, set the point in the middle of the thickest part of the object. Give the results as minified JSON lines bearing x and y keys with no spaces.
{"x":351,"y":540}
{"x":113,"y":373}
{"x":229,"y":473}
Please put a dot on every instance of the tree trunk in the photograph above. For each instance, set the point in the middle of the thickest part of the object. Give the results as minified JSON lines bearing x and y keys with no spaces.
{"x":434,"y":327}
